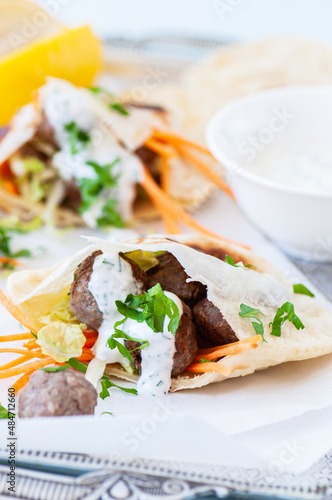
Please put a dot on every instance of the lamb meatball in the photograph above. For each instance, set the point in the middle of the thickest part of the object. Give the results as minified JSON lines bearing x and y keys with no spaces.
{"x":56,"y":394}
{"x":212,"y":328}
{"x":82,"y":302}
{"x":173,"y":278}
{"x":185,"y":343}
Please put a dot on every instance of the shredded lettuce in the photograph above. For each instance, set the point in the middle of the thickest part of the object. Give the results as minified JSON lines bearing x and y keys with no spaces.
{"x":146,"y":260}
{"x":33,"y":165}
{"x":60,"y":312}
{"x":61,"y":341}
{"x":12,"y":223}
{"x":37,"y":192}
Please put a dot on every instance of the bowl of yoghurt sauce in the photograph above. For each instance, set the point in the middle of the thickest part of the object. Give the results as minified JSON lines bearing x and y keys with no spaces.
{"x":276,"y":146}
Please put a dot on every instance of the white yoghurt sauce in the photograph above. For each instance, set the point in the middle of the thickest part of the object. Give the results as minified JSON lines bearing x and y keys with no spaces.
{"x":112,"y":279}
{"x":296,"y":165}
{"x":63,"y":103}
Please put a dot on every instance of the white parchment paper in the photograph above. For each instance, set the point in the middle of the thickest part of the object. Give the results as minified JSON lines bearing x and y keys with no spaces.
{"x":250,"y":421}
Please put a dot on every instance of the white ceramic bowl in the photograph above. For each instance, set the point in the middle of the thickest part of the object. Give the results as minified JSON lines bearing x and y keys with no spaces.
{"x":267,"y":123}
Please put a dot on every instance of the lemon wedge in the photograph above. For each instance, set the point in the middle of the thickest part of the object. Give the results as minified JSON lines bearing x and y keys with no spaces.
{"x":72,"y":54}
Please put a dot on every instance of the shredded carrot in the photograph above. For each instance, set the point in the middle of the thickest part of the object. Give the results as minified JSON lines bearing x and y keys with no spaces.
{"x":34,"y":365}
{"x":169,"y":218}
{"x":10,"y":187}
{"x":165,"y":175}
{"x":251,"y":340}
{"x":208,"y":367}
{"x":172,"y":137}
{"x":163,"y":150}
{"x":32,"y":354}
{"x":228,"y":351}
{"x":207,"y":171}
{"x":15,"y":362}
{"x":22,"y":381}
{"x":31,"y":344}
{"x":9,"y":260}
{"x":14,"y":311}
{"x":15,"y":336}
{"x":182,"y":144}
{"x":168,"y":206}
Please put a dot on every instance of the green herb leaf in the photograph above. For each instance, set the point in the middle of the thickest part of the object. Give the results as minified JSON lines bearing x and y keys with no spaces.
{"x":110,"y":216}
{"x":151,"y":307}
{"x":78,"y":138}
{"x":203,"y":360}
{"x":250,"y":312}
{"x":5,"y":248}
{"x":303,"y":290}
{"x":77,"y":365}
{"x":284,"y":313}
{"x":3,"y":412}
{"x":91,"y":188}
{"x":51,"y":369}
{"x":229,"y":260}
{"x":106,"y":413}
{"x":117,"y":106}
{"x":114,"y":104}
{"x":106,"y":384}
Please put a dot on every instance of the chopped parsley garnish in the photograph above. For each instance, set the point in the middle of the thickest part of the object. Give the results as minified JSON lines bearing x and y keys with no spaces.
{"x":151,"y":307}
{"x":303,"y":290}
{"x":229,"y":260}
{"x":78,"y":138}
{"x":119,"y":334}
{"x":52,"y":369}
{"x":250,"y":312}
{"x":90,"y":189}
{"x":3,"y":412}
{"x":110,"y":216}
{"x":5,"y":248}
{"x":117,"y":106}
{"x":77,"y":365}
{"x":106,"y":384}
{"x":114,"y":104}
{"x":203,"y":360}
{"x":284,"y":313}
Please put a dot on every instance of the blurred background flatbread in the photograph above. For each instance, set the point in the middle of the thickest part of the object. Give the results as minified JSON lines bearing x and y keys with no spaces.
{"x":241,"y":69}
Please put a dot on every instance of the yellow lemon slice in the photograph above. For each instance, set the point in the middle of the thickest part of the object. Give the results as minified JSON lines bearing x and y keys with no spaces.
{"x":35,"y":48}
{"x":22,"y":22}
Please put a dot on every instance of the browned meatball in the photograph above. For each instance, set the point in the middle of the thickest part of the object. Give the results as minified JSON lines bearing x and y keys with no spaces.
{"x":185,"y":343}
{"x":82,"y":302}
{"x":73,"y":194}
{"x":212,"y":328}
{"x":45,"y":130}
{"x":56,"y":394}
{"x":173,"y":278}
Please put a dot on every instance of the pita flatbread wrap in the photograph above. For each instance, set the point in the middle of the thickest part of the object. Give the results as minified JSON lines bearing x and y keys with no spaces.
{"x":32,"y":294}
{"x":240,"y":69}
